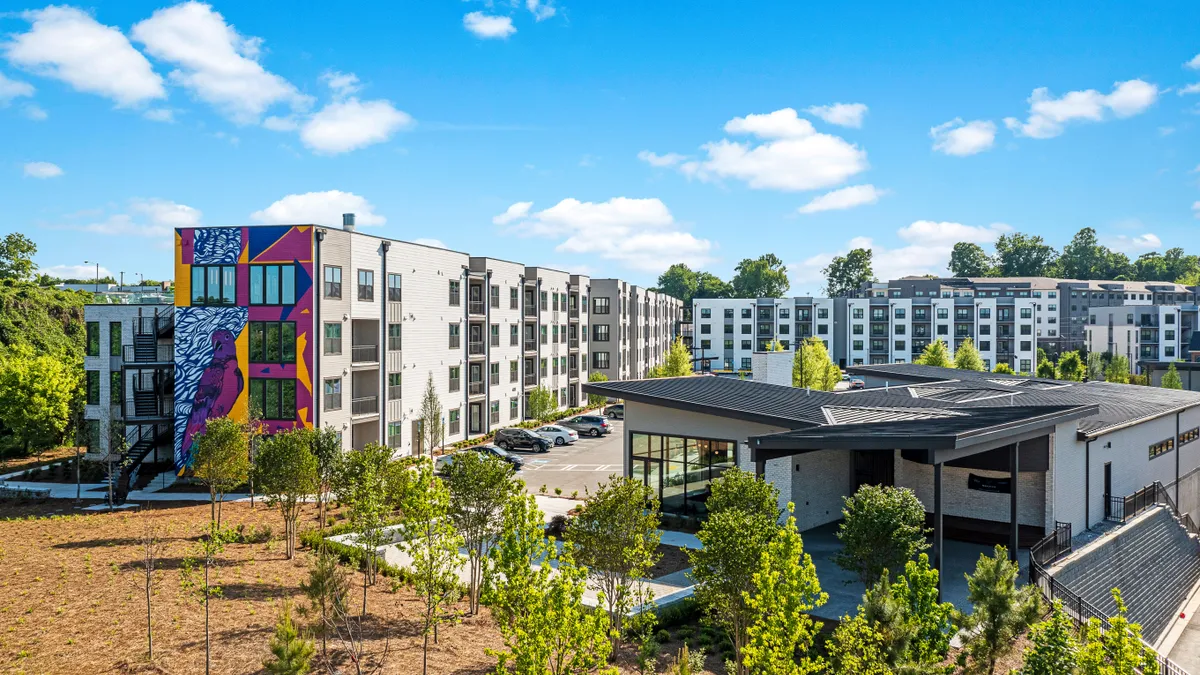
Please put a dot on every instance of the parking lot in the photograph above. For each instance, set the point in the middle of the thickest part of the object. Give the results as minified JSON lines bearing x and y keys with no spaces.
{"x":571,"y":467}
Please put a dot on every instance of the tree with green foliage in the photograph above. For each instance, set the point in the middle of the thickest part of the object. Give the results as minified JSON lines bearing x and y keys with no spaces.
{"x":1117,"y":370}
{"x":812,"y":367}
{"x":679,"y":281}
{"x":856,"y":648}
{"x":888,"y":617}
{"x":286,"y":472}
{"x":16,"y":256}
{"x":784,"y":590}
{"x":936,"y":353}
{"x":968,"y":259}
{"x":1003,"y":368}
{"x":933,"y":621}
{"x":535,"y":591}
{"x":430,"y":418}
{"x":197,"y":577}
{"x":678,"y":362}
{"x":327,"y":448}
{"x":1023,"y":255}
{"x":328,"y":591}
{"x":847,"y":273}
{"x":883,"y":527}
{"x":36,"y":395}
{"x":761,"y":277}
{"x":291,"y":654}
{"x":220,"y":460}
{"x":1047,"y":370}
{"x":1117,"y":650}
{"x":1095,"y":366}
{"x":709,"y":285}
{"x":1001,"y":610}
{"x":540,"y":405}
{"x":597,"y":399}
{"x":1053,"y":648}
{"x":615,"y":537}
{"x":432,"y":543}
{"x":480,"y":485}
{"x":1170,"y":379}
{"x":744,"y":491}
{"x":363,"y":485}
{"x":1070,"y":367}
{"x":966,"y":356}
{"x":1084,"y":257}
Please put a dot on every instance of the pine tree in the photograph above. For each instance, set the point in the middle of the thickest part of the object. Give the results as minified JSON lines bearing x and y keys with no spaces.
{"x":936,"y":354}
{"x":888,"y":617}
{"x":290,"y":654}
{"x":1170,"y":379}
{"x":1000,"y":609}
{"x":966,"y":356}
{"x":1054,"y":647}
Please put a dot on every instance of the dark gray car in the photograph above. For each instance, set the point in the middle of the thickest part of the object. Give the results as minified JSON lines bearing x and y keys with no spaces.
{"x":591,"y":425}
{"x":616,"y":412}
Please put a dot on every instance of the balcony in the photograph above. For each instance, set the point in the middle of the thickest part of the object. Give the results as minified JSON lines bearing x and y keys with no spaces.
{"x":574,"y":374}
{"x":573,"y":313}
{"x":573,"y":343}
{"x":148,"y":353}
{"x":475,"y":307}
{"x":475,"y":348}
{"x":476,"y":388}
{"x":531,"y":345}
{"x":365,"y":405}
{"x":530,"y":310}
{"x":531,"y":379}
{"x":364,"y":354}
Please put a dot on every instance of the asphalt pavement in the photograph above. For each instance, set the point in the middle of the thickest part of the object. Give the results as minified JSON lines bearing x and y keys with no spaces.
{"x":586,"y":462}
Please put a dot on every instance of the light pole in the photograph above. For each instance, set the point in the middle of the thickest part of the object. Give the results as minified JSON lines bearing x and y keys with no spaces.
{"x":88,"y":262}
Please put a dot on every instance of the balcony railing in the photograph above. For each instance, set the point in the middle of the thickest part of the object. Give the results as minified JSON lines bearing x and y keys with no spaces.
{"x":531,"y":379}
{"x":394,"y":392}
{"x":574,"y":343}
{"x":574,"y":374}
{"x":573,"y":313}
{"x":475,"y":388}
{"x":475,"y":348}
{"x":530,"y":345}
{"x":365,"y":405}
{"x":157,"y":354}
{"x":365,"y":353}
{"x":530,"y":310}
{"x":475,"y":307}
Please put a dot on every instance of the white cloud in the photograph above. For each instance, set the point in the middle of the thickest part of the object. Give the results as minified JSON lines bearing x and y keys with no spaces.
{"x":83,"y":272}
{"x":841,"y":114}
{"x":351,"y":124}
{"x":436,"y":243}
{"x":42,"y":170}
{"x":963,"y":138}
{"x":275,"y":123}
{"x":320,"y":208}
{"x":638,"y":233}
{"x":488,"y":26}
{"x":34,"y":112}
{"x":1133,"y":244}
{"x":655,"y":159}
{"x":160,"y":115}
{"x":1194,"y":64}
{"x":845,"y":198}
{"x":217,"y":64}
{"x":540,"y":10}
{"x":68,"y":44}
{"x":150,"y":218}
{"x":10,"y":89}
{"x":342,"y":84}
{"x":513,"y":213}
{"x":1048,"y":115}
{"x":783,"y":123}
{"x":1190,"y":89}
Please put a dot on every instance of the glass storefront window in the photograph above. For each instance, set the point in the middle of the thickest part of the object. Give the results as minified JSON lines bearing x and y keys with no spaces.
{"x":679,"y":469}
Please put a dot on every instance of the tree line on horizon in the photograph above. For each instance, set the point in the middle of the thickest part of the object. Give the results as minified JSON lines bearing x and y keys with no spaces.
{"x":1016,"y":255}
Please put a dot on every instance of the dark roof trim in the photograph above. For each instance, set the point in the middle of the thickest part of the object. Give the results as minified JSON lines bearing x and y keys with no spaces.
{"x":604,"y":389}
{"x":1093,"y":434}
{"x":900,"y":377}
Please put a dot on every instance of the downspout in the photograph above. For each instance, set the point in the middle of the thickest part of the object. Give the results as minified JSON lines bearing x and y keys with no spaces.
{"x":485,"y":415}
{"x":318,"y":330}
{"x":1176,"y":444}
{"x":464,"y":286}
{"x":383,"y":331}
{"x":524,"y":358}
{"x":1087,"y":484}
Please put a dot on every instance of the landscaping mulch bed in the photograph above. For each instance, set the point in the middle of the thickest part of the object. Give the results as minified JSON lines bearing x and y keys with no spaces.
{"x":673,"y":559}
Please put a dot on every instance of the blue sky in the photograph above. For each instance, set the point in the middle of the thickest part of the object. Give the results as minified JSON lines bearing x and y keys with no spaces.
{"x":613,"y":138}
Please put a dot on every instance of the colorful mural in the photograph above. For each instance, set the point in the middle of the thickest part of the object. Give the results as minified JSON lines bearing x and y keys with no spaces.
{"x":213,"y":367}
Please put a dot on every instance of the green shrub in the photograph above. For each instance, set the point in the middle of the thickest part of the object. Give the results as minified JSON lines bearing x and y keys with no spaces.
{"x":663,"y":636}
{"x":679,"y":613}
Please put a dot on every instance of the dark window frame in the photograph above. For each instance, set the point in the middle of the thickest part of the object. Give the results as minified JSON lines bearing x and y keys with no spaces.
{"x":264,"y":269}
{"x":273,"y":410}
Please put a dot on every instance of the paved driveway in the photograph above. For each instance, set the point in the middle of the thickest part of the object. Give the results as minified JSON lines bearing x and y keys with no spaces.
{"x":571,"y":467}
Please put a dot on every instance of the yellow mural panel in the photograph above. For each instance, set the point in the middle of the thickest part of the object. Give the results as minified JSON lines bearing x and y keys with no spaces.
{"x":241,"y":406}
{"x":183,"y":276}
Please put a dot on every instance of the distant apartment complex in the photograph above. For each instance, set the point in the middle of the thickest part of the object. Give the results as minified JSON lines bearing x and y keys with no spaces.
{"x":1008,"y":319}
{"x":318,"y":326}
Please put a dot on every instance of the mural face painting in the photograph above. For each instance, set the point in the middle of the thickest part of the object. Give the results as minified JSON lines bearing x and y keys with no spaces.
{"x":233,"y":282}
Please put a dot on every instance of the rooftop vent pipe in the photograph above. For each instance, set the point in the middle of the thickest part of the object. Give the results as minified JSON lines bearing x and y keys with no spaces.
{"x":348,"y":222}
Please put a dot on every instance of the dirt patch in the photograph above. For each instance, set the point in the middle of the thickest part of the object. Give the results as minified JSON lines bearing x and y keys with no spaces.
{"x":32,"y":462}
{"x":673,"y":559}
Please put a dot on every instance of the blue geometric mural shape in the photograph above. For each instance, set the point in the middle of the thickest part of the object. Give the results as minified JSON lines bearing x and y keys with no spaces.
{"x":304,"y":282}
{"x":217,"y":246}
{"x":263,"y":237}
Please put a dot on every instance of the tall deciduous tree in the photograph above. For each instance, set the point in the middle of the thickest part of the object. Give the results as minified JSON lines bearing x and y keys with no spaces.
{"x":709,"y":285}
{"x":1084,"y":257}
{"x":1053,"y":646}
{"x":1070,"y":366}
{"x":1000,"y":609}
{"x":761,"y":277}
{"x":1117,"y":370}
{"x":679,"y":360}
{"x":1095,"y":366}
{"x":936,"y":353}
{"x":679,"y":281}
{"x":286,"y":472}
{"x":966,"y":356}
{"x":36,"y":392}
{"x":480,"y":485}
{"x":221,"y":460}
{"x":16,"y":256}
{"x":846,"y":273}
{"x":743,"y":491}
{"x":1023,"y":255}
{"x":813,"y":368}
{"x":968,"y":259}
{"x":882,"y":529}
{"x":541,"y":403}
{"x":1170,"y":379}
{"x":432,"y":431}
{"x":615,"y":537}
{"x":596,"y":399}
{"x":784,"y":590}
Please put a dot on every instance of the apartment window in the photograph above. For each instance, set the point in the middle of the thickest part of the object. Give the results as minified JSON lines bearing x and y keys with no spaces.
{"x":512,"y":408}
{"x":333,"y":394}
{"x":1169,"y":319}
{"x":454,"y":335}
{"x":706,"y":313}
{"x":116,"y":386}
{"x":745,"y":344}
{"x":214,"y":285}
{"x":93,"y":338}
{"x":514,"y":335}
{"x":899,"y":313}
{"x":822,"y":329}
{"x":985,"y":329}
{"x":1026,"y":329}
{"x":857,"y":313}
{"x":745,"y":363}
{"x":1025,"y":366}
{"x":943,"y":313}
{"x":985,"y":345}
{"x":93,"y":387}
{"x":899,"y":329}
{"x":514,"y":298}
{"x":1026,"y":313}
{"x":878,"y":314}
{"x":275,"y":398}
{"x":921,"y":314}
{"x":1026,"y":345}
{"x":600,"y":332}
{"x":600,"y":306}
{"x":513,"y":371}
{"x":555,"y":302}
{"x":900,"y":345}
{"x":1188,"y":436}
{"x":366,"y":285}
{"x":554,"y":334}
{"x":454,"y":294}
{"x":495,"y":412}
{"x":494,"y":374}
{"x":943,"y":330}
{"x":544,"y":335}
{"x":856,"y":345}
{"x":706,"y":344}
{"x":1168,"y":334}
{"x":495,"y":334}
{"x":857,"y":329}
{"x":333,"y":338}
{"x":494,"y":296}
{"x":273,"y":284}
{"x":1169,"y":351}
{"x":542,"y":368}
{"x":273,"y":341}
{"x":985,"y":312}
{"x":395,"y":434}
{"x":114,"y":338}
{"x":1162,"y":447}
{"x":600,"y":360}
{"x":705,"y":329}
{"x":784,"y":329}
{"x":454,"y":422}
{"x":962,"y":314}
{"x":728,"y":313}
{"x":746,"y":313}
{"x":746,"y":329}
{"x":395,"y":331}
{"x":394,"y":388}
{"x":395,"y":288}
{"x":454,"y":378}
{"x":543,"y":305}
{"x":822,"y":312}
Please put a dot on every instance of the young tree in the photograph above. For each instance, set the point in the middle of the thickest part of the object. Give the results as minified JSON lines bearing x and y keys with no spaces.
{"x":1070,"y":367}
{"x":856,"y":648}
{"x":1054,"y":647}
{"x":432,"y":543}
{"x":615,"y":537}
{"x":882,"y":529}
{"x":541,"y":403}
{"x":1119,"y":650}
{"x":1095,"y":366}
{"x":16,"y":256}
{"x":1047,"y":370}
{"x":290,"y":653}
{"x":762,"y":277}
{"x":743,"y":491}
{"x":480,"y":485}
{"x":254,"y":431}
{"x":327,"y":447}
{"x":888,"y":617}
{"x":286,"y":470}
{"x":212,"y":544}
{"x":966,"y":357}
{"x":327,"y":589}
{"x":785,"y":590}
{"x":936,"y":354}
{"x":151,"y":547}
{"x":221,"y":460}
{"x":363,"y":484}
{"x":539,"y":610}
{"x":845,"y":274}
{"x":1000,"y":609}
{"x":1117,"y":370}
{"x":597,"y":399}
{"x":36,"y":392}
{"x":933,"y":621}
{"x":1003,"y":368}
{"x":812,"y":367}
{"x":968,"y":259}
{"x":1170,"y":379}
{"x":430,"y":418}
{"x":679,"y":360}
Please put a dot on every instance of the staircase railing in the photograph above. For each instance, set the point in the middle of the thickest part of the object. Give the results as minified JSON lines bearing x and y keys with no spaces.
{"x":1121,"y":509}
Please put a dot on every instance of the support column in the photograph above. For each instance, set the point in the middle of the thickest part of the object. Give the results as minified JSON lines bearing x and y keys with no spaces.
{"x":937,"y":526}
{"x":1014,"y":455}
{"x":760,"y":468}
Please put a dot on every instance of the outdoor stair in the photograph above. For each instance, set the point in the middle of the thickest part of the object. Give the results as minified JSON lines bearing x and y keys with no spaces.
{"x":1152,"y":559}
{"x":145,"y":347}
{"x":138,"y":452}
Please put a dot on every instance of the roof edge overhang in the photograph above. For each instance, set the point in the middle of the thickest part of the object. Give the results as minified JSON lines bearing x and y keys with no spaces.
{"x":1101,"y":431}
{"x":730,"y":413}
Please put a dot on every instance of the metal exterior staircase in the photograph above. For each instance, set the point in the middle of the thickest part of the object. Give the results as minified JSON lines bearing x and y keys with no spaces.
{"x":145,"y":439}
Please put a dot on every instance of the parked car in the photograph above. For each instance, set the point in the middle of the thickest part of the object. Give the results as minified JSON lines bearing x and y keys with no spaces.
{"x":592,"y":425}
{"x":616,"y":412}
{"x":845,"y":377}
{"x":856,"y":383}
{"x":557,"y":435}
{"x":443,"y":463}
{"x":513,"y":438}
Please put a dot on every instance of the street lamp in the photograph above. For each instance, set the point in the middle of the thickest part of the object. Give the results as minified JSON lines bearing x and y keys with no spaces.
{"x":88,"y":262}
